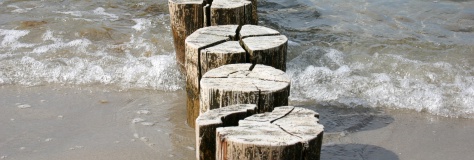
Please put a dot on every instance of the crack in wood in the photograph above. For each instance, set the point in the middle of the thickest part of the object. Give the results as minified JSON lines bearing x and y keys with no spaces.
{"x":287,"y":131}
{"x":286,"y":114}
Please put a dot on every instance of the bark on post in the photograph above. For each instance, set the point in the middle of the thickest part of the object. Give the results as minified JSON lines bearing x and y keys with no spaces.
{"x":231,"y":12}
{"x":201,"y":39}
{"x":254,"y":12}
{"x":287,"y":133}
{"x":229,"y":52}
{"x":214,"y":46}
{"x":235,"y":84}
{"x":271,"y":49}
{"x":186,"y":16}
{"x":207,"y":123}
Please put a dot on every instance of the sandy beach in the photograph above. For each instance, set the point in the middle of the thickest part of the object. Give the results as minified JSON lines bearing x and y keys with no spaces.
{"x":99,"y":122}
{"x":98,"y":80}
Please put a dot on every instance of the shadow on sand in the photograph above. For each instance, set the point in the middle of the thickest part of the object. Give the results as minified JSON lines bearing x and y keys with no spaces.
{"x":339,"y":121}
{"x":338,"y":118}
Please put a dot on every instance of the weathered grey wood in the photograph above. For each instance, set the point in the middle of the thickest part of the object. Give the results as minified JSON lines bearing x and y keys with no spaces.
{"x":231,"y":12}
{"x":207,"y":123}
{"x":254,"y":20}
{"x":229,"y":52}
{"x":207,"y":11}
{"x":213,"y":46}
{"x":235,"y":84}
{"x":186,"y":16}
{"x":271,"y":49}
{"x":287,"y":133}
{"x":256,"y":31}
{"x":201,"y":39}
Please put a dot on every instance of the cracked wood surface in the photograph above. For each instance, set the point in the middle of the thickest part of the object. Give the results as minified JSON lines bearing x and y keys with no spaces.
{"x":210,"y":47}
{"x":286,"y":133}
{"x":271,"y":49}
{"x":207,"y":123}
{"x":186,"y":16}
{"x":231,"y":12}
{"x":201,"y":39}
{"x":235,"y":84}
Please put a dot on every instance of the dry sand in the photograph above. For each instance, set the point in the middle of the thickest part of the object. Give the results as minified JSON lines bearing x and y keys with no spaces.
{"x":60,"y":122}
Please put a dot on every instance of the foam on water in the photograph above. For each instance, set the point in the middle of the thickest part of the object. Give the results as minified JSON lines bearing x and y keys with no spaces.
{"x":10,"y":39}
{"x":157,"y":72}
{"x":371,"y":54}
{"x":107,"y":16}
{"x":328,"y":75}
{"x":131,"y":55}
{"x":141,"y":24}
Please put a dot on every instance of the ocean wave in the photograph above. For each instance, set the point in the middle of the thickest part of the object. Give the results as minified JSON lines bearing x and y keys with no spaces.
{"x":329,"y":75}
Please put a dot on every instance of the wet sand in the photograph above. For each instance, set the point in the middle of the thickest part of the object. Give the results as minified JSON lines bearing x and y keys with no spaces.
{"x":80,"y":122}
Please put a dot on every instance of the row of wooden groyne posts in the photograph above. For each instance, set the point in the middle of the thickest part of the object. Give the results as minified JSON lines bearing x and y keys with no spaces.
{"x":237,"y":90}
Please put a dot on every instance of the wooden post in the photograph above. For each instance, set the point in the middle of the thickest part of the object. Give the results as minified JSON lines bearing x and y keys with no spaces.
{"x":287,"y":133}
{"x":207,"y":123}
{"x":235,"y":84}
{"x":214,"y":46}
{"x":231,"y":12}
{"x":267,"y":44}
{"x":201,"y":39}
{"x":229,"y":52}
{"x":186,"y":16}
{"x":254,"y":12}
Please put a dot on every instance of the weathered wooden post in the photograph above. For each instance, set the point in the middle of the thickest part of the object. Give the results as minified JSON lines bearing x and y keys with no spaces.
{"x":199,"y":40}
{"x":214,"y":46}
{"x":231,"y":12}
{"x":236,"y":84}
{"x":265,"y":43}
{"x":207,"y":123}
{"x":287,"y":133}
{"x":186,"y":16}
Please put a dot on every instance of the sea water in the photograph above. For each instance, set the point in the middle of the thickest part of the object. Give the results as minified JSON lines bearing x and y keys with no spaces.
{"x":401,"y":54}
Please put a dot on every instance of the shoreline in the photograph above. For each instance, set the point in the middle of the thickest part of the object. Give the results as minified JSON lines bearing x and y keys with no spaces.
{"x":98,"y":122}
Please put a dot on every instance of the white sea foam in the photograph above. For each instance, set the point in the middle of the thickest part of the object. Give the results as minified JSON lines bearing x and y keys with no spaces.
{"x":10,"y":39}
{"x":18,"y":9}
{"x":72,"y":13}
{"x":142,"y":24}
{"x":109,"y":16}
{"x":155,"y":72}
{"x":324,"y":75}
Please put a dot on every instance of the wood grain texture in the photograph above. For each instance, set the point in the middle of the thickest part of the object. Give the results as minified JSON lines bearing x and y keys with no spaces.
{"x":271,"y":49}
{"x":235,"y":84}
{"x":287,"y":133}
{"x":201,"y":39}
{"x":229,"y":52}
{"x":231,"y":12}
{"x":214,"y":46}
{"x":186,"y":16}
{"x":207,"y":123}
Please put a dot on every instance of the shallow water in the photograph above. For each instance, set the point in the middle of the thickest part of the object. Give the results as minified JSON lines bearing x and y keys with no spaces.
{"x":352,"y":60}
{"x":396,"y":54}
{"x":93,"y":123}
